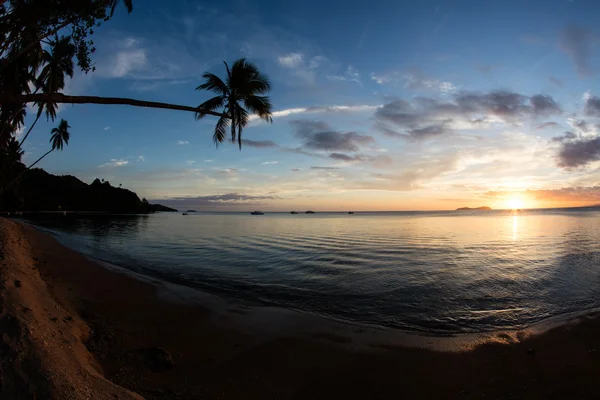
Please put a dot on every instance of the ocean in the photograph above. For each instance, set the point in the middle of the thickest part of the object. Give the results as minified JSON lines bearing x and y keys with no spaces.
{"x":433,"y":272}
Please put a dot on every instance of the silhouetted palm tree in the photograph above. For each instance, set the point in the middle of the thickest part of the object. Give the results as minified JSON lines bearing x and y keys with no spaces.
{"x":60,"y":137}
{"x":58,"y":63}
{"x":238,"y":97}
{"x":10,"y":156}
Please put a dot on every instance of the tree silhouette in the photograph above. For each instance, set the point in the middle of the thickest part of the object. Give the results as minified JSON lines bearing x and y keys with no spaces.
{"x":59,"y":138}
{"x":238,"y":96}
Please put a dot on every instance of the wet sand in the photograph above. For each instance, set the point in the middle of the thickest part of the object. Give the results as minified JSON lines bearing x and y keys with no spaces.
{"x":72,"y":328}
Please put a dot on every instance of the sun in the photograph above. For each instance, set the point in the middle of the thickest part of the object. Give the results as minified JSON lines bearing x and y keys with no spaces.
{"x":514,"y":203}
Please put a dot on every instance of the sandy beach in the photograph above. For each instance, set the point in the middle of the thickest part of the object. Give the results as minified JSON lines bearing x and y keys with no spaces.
{"x":75,"y":329}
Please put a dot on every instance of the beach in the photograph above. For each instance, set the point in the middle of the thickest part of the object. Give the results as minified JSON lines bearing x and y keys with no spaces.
{"x":73,"y":328}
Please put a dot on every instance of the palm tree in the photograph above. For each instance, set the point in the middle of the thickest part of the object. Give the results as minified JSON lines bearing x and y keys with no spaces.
{"x":60,"y":137}
{"x":239,"y":96}
{"x":58,"y":63}
{"x":10,"y":156}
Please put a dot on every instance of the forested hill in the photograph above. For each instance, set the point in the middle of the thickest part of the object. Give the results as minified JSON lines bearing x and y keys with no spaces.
{"x":40,"y":191}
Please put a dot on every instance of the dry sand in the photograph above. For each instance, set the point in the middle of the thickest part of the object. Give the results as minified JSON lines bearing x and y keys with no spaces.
{"x":74,"y":329}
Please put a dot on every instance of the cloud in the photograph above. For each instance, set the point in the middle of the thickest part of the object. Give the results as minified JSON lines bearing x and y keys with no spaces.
{"x":182,"y":142}
{"x":114,"y":163}
{"x":208,"y":161}
{"x":342,"y":157}
{"x":545,"y":125}
{"x":141,"y":158}
{"x":425,"y":118}
{"x":577,"y":43}
{"x":544,"y":105}
{"x":579,"y":152}
{"x":351,"y":74}
{"x":296,"y":170}
{"x":107,"y":128}
{"x":260,"y":144}
{"x":319,"y":136}
{"x":592,"y":105}
{"x":270,"y":162}
{"x":320,"y":109}
{"x":302,"y":67}
{"x":415,"y":81}
{"x":418,"y":82}
{"x":228,"y":171}
{"x":228,"y":200}
{"x":190,"y":162}
{"x":324,"y":168}
{"x":291,"y":60}
{"x":127,"y":61}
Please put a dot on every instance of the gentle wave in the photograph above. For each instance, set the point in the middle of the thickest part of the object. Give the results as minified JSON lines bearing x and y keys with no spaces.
{"x":433,"y":272}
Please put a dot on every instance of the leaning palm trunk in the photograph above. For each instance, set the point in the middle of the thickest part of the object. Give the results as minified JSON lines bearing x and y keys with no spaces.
{"x":30,"y":129}
{"x":62,"y":98}
{"x":9,"y":184}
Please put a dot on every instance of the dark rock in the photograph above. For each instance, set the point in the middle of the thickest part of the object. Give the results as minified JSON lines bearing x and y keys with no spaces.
{"x":17,"y":283}
{"x":531,"y":352}
{"x":158,"y":358}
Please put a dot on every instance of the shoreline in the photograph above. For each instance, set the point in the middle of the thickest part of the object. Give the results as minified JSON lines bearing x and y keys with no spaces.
{"x":363,"y":336}
{"x":167,"y":341}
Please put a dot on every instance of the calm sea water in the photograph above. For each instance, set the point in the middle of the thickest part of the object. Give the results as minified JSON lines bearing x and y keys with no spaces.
{"x":442,"y":272}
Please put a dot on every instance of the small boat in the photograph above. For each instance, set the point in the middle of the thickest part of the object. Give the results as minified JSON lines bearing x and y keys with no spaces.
{"x":257,"y":213}
{"x":310,"y":212}
{"x":294,"y":212}
{"x":350,"y":212}
{"x":185,"y":213}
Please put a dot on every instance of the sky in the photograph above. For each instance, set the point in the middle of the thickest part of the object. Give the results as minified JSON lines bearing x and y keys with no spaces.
{"x":379,"y":105}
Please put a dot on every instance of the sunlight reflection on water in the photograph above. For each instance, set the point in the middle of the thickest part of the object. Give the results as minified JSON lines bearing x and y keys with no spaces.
{"x":437,"y":272}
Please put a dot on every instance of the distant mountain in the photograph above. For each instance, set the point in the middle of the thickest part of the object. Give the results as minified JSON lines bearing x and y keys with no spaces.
{"x":485,"y":208}
{"x":38,"y":190}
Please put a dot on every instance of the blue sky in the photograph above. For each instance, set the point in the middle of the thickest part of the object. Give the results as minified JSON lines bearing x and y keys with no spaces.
{"x":383,"y":105}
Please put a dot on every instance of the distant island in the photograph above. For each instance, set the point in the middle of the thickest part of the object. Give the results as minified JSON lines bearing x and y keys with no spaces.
{"x":484,"y":208}
{"x":39,"y":191}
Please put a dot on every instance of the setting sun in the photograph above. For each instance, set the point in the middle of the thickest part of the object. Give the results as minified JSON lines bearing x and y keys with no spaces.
{"x":515,"y":203}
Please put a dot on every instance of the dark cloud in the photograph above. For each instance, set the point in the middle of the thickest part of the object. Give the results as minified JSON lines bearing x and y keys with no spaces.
{"x":323,"y":168}
{"x":556,"y":81}
{"x":566,"y":137}
{"x":544,"y":105}
{"x":261,"y":144}
{"x":577,"y":43}
{"x":579,"y":152}
{"x":430,"y":131}
{"x":424,"y":118}
{"x":342,"y":157}
{"x":220,"y":201}
{"x":592,"y":106}
{"x":296,"y":170}
{"x":581,"y":125}
{"x":320,"y":137}
{"x":547,"y":125}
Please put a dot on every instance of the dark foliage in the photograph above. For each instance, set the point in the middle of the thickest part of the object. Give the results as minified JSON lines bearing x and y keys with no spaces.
{"x":41,"y":191}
